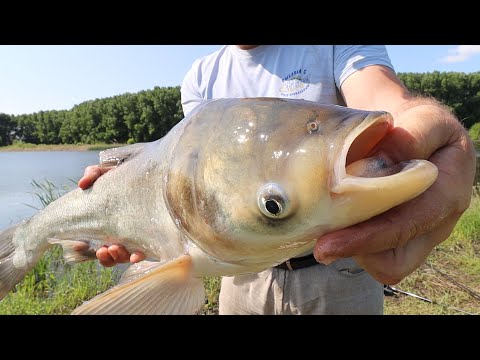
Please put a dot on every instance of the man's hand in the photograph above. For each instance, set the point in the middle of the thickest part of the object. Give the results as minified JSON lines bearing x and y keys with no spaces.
{"x":392,"y":245}
{"x":115,"y":254}
{"x":91,"y":174}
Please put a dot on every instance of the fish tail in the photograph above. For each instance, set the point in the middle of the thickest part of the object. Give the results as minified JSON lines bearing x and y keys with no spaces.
{"x":10,"y":275}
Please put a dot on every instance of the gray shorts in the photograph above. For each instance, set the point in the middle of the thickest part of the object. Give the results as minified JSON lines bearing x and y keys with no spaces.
{"x":339,"y":288}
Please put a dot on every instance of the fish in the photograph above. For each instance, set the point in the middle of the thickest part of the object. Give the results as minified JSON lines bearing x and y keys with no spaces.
{"x":238,"y":186}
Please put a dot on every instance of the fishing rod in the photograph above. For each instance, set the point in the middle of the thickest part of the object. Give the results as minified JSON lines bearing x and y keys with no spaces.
{"x":392,"y":291}
{"x":470,"y":291}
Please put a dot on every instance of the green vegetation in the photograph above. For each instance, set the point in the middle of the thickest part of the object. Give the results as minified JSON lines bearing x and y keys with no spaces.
{"x":474,"y":132}
{"x":150,"y":114}
{"x":54,"y":287}
{"x":128,"y":118}
{"x":47,"y":192}
{"x":7,"y":125}
{"x":459,"y":91}
{"x":451,"y":265}
{"x":212,"y":290}
{"x":18,"y":145}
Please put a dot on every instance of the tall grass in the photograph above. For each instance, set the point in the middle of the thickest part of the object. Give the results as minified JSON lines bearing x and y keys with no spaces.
{"x":46,"y":192}
{"x":53,"y":286}
{"x":451,"y":274}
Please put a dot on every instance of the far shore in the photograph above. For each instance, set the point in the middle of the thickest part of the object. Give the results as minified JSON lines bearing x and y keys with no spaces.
{"x":60,"y":147}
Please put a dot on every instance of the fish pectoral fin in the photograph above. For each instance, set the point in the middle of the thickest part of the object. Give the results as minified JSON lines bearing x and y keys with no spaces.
{"x":138,"y":269}
{"x":116,"y":156}
{"x":162,"y":290}
{"x":75,"y":251}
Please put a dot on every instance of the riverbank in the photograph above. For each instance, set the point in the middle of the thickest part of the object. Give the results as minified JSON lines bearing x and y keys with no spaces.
{"x":60,"y":147}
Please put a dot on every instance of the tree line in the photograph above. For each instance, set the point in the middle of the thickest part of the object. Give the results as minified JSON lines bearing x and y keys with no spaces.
{"x":150,"y":114}
{"x":127,"y":118}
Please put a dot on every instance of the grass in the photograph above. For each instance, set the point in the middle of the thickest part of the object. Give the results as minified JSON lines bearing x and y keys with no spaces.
{"x":46,"y":192}
{"x":212,"y":290}
{"x":450,"y":276}
{"x":22,"y":146}
{"x":53,"y":286}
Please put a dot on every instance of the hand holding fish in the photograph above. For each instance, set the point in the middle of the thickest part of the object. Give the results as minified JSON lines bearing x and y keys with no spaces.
{"x":393,"y":244}
{"x":117,"y":254}
{"x":92,"y":173}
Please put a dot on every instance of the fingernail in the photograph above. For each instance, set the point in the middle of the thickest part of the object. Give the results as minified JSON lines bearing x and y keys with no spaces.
{"x":325,"y":260}
{"x":328,"y":260}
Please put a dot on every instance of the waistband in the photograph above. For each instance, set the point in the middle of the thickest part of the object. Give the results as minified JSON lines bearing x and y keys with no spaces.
{"x":298,"y":263}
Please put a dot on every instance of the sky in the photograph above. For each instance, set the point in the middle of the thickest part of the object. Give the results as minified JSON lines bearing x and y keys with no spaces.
{"x":56,"y":77}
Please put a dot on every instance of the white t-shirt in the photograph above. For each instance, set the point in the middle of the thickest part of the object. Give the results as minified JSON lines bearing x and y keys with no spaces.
{"x":310,"y":72}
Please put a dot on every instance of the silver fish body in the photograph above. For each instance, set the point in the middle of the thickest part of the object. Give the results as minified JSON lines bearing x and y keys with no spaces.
{"x":238,"y":186}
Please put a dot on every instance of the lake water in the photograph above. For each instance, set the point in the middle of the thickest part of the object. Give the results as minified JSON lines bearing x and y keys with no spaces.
{"x":18,"y":169}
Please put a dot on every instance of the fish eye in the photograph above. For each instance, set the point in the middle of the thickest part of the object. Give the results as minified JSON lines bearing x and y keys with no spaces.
{"x":312,"y":126}
{"x":273,"y":201}
{"x":273,"y":207}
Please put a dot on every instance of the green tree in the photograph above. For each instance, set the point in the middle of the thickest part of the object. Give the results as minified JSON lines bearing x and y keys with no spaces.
{"x":474,"y":132}
{"x":459,"y":91}
{"x":26,"y":128}
{"x":7,"y":127}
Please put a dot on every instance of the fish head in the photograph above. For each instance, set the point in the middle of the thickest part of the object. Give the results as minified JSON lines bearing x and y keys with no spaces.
{"x":258,"y":180}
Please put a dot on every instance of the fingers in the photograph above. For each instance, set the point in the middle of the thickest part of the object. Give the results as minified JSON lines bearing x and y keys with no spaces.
{"x":119,"y":254}
{"x":115,"y":254}
{"x":104,"y":257}
{"x":137,"y":256}
{"x":392,"y":229}
{"x":92,"y":173}
{"x":391,"y":266}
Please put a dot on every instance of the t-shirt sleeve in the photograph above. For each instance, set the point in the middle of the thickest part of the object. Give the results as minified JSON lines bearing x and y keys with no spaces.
{"x":350,"y":58}
{"x":189,"y":91}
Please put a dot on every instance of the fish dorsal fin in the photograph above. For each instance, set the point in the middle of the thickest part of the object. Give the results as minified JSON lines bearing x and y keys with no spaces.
{"x":115,"y":156}
{"x":162,"y":290}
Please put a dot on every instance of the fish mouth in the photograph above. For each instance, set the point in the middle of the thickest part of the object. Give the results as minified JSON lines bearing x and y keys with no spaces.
{"x":362,"y":140}
{"x":359,"y":165}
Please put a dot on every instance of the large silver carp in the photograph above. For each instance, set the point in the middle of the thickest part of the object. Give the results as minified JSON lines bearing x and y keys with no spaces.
{"x":238,"y":186}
